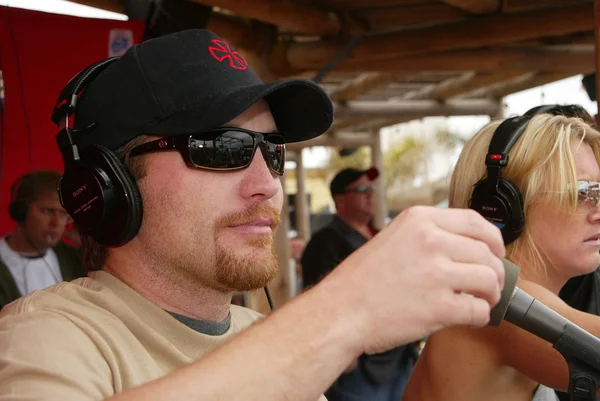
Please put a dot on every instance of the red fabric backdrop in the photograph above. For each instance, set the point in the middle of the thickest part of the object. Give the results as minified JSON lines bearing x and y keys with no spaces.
{"x":39,"y":53}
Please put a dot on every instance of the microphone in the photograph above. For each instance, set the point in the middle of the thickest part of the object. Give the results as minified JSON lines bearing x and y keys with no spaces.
{"x":524,"y":311}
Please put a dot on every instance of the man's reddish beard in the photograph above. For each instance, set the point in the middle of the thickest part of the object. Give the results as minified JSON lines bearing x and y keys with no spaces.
{"x":240,"y":273}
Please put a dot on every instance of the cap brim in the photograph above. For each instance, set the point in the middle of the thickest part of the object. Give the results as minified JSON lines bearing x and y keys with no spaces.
{"x":301,"y":109}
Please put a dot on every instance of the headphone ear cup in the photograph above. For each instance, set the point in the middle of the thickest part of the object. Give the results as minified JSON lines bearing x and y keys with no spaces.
{"x":496,"y":204}
{"x":102,"y":197}
{"x":17,"y":211}
{"x":516,"y":215}
{"x":128,"y":202}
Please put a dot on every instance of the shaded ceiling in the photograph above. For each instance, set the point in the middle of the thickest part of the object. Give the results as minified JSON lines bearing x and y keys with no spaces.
{"x":388,"y":61}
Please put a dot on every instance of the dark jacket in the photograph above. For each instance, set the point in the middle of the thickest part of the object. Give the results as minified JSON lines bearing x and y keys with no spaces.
{"x":325,"y":250}
{"x":69,"y":260}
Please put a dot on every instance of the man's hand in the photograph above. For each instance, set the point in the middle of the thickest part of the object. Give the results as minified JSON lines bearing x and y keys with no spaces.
{"x":430,"y":268}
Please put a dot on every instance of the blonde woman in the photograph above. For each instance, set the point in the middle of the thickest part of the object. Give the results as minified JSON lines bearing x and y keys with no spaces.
{"x":554,"y":166}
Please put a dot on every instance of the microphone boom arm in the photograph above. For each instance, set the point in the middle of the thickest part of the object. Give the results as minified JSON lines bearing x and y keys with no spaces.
{"x":573,"y":343}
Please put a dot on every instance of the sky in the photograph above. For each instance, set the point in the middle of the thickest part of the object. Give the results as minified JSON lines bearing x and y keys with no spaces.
{"x":566,"y":91}
{"x":63,"y":7}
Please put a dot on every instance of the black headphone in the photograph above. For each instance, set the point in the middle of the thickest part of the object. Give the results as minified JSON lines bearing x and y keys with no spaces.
{"x":17,"y":209}
{"x":96,"y":189}
{"x":497,"y":199}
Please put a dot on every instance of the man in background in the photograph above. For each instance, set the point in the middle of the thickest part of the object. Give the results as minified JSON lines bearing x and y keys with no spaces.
{"x":33,"y":256}
{"x":371,"y":377}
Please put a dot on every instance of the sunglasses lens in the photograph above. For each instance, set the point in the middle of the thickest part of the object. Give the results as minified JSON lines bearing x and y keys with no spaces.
{"x":229,"y":149}
{"x":589,"y":191}
{"x":276,"y":153}
{"x":234,"y":149}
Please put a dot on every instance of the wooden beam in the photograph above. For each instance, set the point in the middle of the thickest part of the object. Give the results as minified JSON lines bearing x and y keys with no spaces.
{"x":341,"y":123}
{"x":577,"y":61}
{"x":522,"y":5}
{"x":479,"y":81}
{"x":430,"y":91}
{"x":348,"y":139}
{"x":364,"y":83}
{"x":411,"y":15}
{"x":417,"y":108}
{"x":476,"y":32}
{"x":379,"y":123}
{"x":476,"y":6}
{"x":532,"y":81}
{"x":290,"y":15}
{"x":468,"y":82}
{"x":354,"y":4}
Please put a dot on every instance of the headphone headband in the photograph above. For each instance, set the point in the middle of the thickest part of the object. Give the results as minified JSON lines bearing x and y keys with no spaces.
{"x":96,"y":187}
{"x":67,"y":100}
{"x":504,"y":138}
{"x":66,"y":106}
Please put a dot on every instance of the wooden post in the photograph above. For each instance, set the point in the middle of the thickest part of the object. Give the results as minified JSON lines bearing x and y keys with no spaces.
{"x":381,"y":211}
{"x":302,"y":207}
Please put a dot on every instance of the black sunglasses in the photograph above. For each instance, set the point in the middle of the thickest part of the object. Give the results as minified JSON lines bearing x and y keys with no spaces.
{"x":221,"y":149}
{"x":360,"y":189}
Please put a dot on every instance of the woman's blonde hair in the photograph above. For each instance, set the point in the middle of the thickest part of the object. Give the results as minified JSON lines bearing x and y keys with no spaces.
{"x":541,"y":165}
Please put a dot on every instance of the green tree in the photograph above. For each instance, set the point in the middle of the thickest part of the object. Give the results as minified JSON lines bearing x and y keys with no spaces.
{"x":403,"y":161}
{"x":360,"y":159}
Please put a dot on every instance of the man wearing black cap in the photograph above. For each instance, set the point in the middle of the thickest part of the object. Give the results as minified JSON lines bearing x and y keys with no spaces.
{"x":352,"y":191}
{"x":372,"y":377}
{"x":172,"y":171}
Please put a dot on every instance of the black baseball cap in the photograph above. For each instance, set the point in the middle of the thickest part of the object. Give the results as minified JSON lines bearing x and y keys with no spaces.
{"x":348,"y":176}
{"x":189,"y":82}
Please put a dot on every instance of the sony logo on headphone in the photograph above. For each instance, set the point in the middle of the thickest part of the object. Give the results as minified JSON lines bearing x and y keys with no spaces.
{"x":79,"y":190}
{"x":491,"y":209}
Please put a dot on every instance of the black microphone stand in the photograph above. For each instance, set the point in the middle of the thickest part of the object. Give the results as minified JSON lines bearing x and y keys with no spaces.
{"x":583,"y":361}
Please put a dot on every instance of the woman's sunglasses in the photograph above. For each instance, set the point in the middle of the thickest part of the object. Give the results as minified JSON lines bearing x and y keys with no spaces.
{"x":221,"y":149}
{"x":588,"y":191}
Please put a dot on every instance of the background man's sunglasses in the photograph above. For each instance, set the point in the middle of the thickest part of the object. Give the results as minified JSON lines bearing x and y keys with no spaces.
{"x":360,"y":189}
{"x":222,"y":149}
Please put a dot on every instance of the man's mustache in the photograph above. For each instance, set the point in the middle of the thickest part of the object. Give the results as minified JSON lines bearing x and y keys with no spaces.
{"x":257,"y":211}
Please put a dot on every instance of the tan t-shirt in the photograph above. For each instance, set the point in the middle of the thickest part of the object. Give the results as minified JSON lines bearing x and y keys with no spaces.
{"x":93,"y":337}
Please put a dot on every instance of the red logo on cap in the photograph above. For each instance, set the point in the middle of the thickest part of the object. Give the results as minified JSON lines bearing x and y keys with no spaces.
{"x":162,"y":144}
{"x":222,"y":51}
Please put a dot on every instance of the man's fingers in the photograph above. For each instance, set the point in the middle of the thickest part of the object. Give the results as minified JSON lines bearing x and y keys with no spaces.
{"x":469,"y":223}
{"x":477,"y":280}
{"x":468,"y":311}
{"x":461,"y":249}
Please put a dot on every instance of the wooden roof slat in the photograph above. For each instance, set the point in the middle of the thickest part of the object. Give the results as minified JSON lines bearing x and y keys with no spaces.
{"x":364,"y":83}
{"x":476,"y":32}
{"x":431,"y":91}
{"x":288,"y":14}
{"x":408,"y":16}
{"x":523,"y":5}
{"x":527,"y":82}
{"x":417,"y":108}
{"x":478,"y":81}
{"x":362,"y":4}
{"x":476,"y":6}
{"x":495,"y":59}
